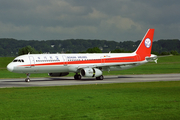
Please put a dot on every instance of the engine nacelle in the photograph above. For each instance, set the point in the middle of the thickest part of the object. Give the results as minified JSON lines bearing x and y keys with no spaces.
{"x":58,"y":74}
{"x":91,"y":72}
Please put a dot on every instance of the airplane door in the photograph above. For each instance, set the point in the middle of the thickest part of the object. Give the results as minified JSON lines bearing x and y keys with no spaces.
{"x":102,"y":60}
{"x":32,"y":62}
{"x":65,"y":62}
{"x":138,"y":58}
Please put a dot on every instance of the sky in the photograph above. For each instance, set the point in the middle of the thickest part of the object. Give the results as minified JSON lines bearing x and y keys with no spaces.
{"x":117,"y":20}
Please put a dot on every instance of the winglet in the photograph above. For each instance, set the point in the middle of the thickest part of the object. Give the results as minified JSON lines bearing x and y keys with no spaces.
{"x":144,"y":49}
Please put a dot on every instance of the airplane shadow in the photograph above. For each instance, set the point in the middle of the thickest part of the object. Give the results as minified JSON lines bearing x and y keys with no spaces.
{"x":51,"y":79}
{"x":125,"y":77}
{"x":68,"y":79}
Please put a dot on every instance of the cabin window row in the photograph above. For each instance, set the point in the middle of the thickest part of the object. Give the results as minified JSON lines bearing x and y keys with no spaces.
{"x":47,"y":60}
{"x":121,"y":59}
{"x":83,"y":60}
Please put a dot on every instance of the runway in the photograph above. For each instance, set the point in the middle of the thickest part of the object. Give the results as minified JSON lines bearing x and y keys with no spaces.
{"x":66,"y":81}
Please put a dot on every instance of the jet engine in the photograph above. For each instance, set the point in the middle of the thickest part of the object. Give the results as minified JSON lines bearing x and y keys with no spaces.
{"x":58,"y":74}
{"x":90,"y":72}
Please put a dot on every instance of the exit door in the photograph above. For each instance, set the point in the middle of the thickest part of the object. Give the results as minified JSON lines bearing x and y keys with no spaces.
{"x":65,"y":62}
{"x":138,"y":58}
{"x":32,"y":62}
{"x":102,"y":60}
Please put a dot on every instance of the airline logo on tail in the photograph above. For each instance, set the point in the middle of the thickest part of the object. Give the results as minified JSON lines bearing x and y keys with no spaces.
{"x":147,"y":42}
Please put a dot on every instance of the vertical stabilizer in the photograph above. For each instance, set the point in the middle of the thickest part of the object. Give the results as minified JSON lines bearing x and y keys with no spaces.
{"x":144,"y":49}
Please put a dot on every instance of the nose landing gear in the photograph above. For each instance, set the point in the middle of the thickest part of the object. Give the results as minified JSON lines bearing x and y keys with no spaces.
{"x":27,"y":79}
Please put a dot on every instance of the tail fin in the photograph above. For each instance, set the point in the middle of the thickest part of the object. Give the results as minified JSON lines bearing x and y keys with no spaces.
{"x":144,"y":49}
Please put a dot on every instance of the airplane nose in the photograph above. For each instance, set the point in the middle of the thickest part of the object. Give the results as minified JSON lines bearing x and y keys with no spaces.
{"x":10,"y":67}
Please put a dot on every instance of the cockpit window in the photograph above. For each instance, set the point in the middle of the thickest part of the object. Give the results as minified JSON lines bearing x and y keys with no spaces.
{"x":15,"y":60}
{"x":18,"y":60}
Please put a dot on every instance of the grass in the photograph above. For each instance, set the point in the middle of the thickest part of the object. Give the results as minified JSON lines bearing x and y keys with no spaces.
{"x":150,"y":101}
{"x":169,"y":64}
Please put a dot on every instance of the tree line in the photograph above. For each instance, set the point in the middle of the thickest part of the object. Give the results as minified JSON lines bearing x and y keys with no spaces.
{"x":13,"y":47}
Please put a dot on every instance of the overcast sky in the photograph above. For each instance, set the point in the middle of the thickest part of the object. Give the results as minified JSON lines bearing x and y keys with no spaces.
{"x":119,"y":20}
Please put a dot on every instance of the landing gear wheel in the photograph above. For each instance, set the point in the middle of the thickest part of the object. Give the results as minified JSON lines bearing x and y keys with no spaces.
{"x":27,"y":80}
{"x":77,"y":77}
{"x":100,"y":77}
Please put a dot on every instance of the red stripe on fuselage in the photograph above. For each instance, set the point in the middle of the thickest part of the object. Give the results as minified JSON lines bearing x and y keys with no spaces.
{"x":92,"y":61}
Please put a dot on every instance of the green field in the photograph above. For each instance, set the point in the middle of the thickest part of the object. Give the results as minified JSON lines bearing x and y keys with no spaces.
{"x":127,"y":101}
{"x":169,"y":64}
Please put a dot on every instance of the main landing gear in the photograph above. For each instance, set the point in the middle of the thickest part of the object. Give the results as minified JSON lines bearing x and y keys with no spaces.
{"x":27,"y":79}
{"x":77,"y":77}
{"x":100,"y":77}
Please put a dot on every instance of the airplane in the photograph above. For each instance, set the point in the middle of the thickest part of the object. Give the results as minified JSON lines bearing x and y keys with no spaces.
{"x":83,"y":65}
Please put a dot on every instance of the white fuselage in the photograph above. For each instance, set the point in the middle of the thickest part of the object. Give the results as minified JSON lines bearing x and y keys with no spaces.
{"x":53,"y":63}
